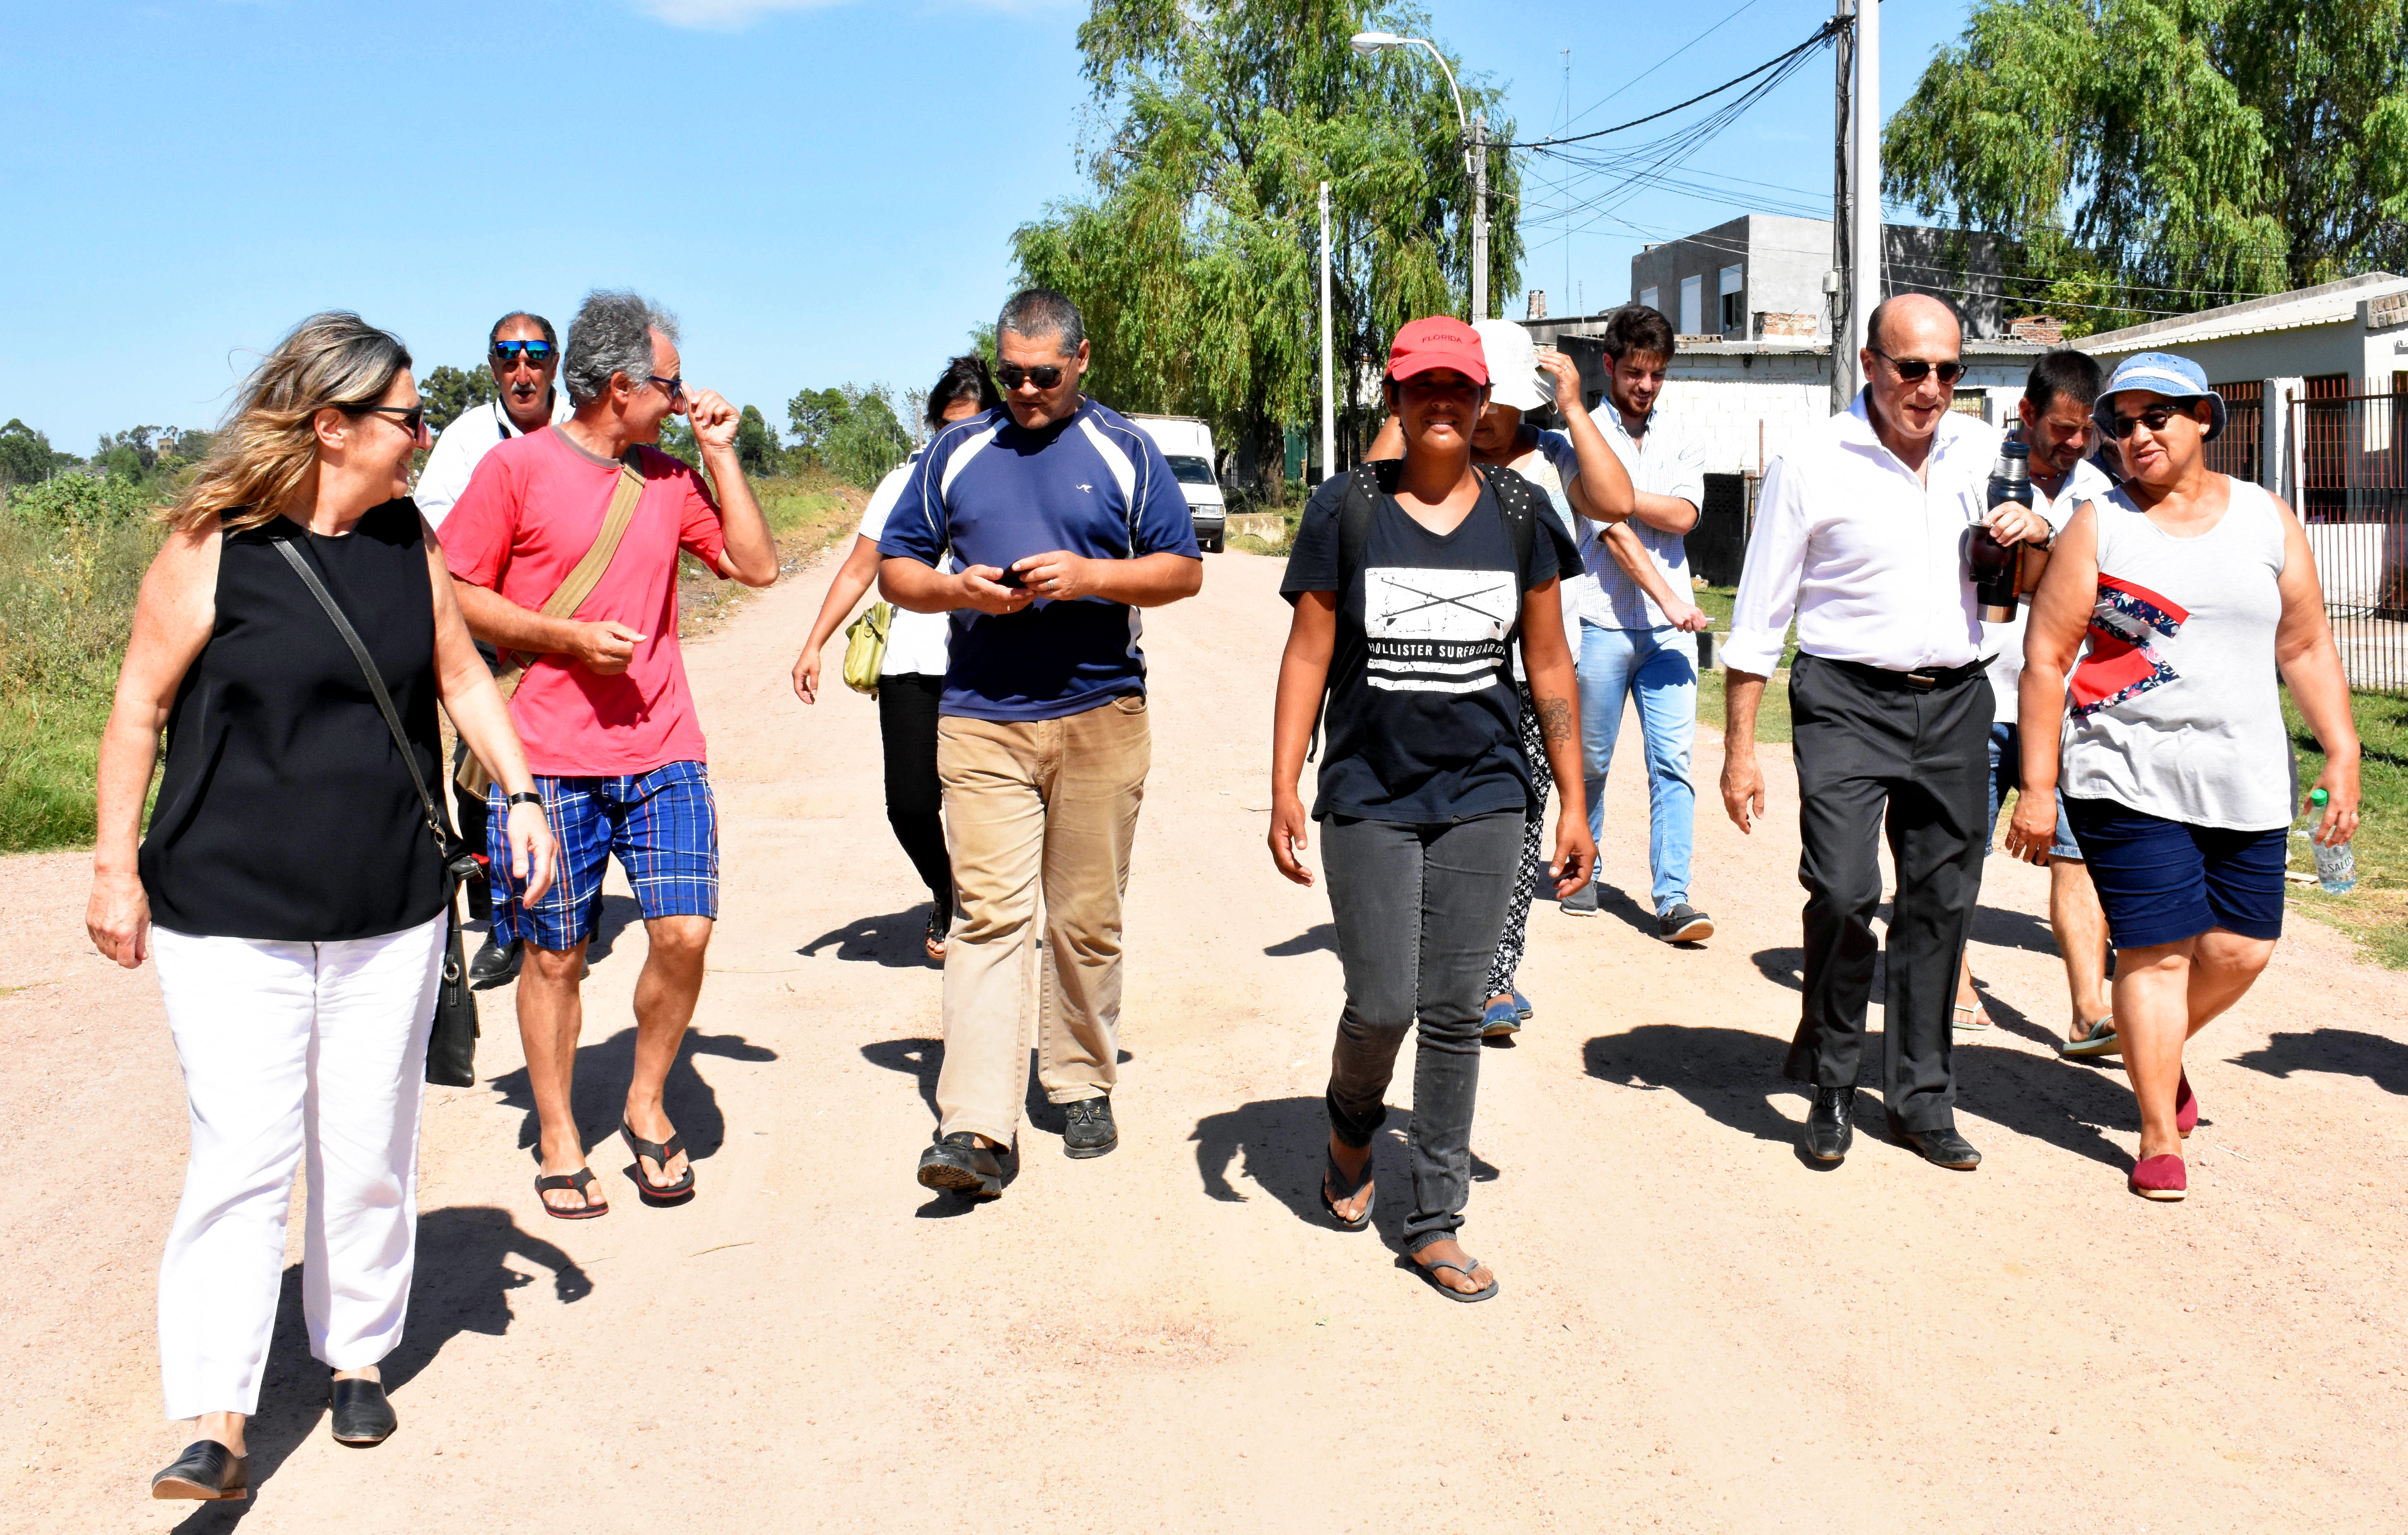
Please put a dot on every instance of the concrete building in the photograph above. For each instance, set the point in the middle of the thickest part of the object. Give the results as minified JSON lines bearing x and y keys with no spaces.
{"x":1761,"y":276}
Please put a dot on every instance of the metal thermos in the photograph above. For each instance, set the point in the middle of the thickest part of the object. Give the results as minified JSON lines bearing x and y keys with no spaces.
{"x":1993,"y":565}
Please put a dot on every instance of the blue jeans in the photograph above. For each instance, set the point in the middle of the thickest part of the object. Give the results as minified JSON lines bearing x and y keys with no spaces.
{"x":1660,"y":668}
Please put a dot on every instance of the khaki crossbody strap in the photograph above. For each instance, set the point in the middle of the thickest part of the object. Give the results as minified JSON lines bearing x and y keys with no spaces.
{"x":472,"y":776}
{"x":587,"y":573}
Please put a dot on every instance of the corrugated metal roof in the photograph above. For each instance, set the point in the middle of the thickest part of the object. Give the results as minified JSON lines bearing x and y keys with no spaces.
{"x":2302,"y":308}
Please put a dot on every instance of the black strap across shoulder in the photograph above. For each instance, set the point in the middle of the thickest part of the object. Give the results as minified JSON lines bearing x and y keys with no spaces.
{"x":444,"y":841}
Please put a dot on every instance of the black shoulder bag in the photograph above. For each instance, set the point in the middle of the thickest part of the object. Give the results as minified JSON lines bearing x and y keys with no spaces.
{"x":451,"y":1046}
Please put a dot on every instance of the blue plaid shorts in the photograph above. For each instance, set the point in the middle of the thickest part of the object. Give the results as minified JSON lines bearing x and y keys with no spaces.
{"x":663,"y":826}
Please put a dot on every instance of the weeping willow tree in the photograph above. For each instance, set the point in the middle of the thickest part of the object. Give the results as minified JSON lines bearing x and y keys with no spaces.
{"x":2162,"y":156}
{"x":1196,"y":258}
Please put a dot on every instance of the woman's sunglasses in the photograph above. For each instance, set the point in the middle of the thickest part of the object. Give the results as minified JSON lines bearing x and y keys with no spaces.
{"x":2154,"y":418}
{"x":1914,"y":369}
{"x":1011,"y":375}
{"x":411,"y":418}
{"x":536,"y":352}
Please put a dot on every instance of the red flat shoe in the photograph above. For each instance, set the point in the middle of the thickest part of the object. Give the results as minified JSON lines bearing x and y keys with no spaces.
{"x":2161,"y":1178}
{"x":2185,"y":1108}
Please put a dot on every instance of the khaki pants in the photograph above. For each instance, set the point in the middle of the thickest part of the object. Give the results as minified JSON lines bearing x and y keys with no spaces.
{"x":1050,"y":802}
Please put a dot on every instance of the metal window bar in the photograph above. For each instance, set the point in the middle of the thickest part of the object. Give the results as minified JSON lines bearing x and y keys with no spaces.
{"x":2350,"y":472}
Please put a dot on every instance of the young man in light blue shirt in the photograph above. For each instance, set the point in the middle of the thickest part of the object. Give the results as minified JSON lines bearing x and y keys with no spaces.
{"x":1630,"y":647}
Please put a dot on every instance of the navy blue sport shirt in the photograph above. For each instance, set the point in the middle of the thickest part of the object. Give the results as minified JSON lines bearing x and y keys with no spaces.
{"x":995,"y":492}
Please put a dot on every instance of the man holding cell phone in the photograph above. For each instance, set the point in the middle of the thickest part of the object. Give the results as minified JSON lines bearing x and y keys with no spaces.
{"x":1065,"y":520}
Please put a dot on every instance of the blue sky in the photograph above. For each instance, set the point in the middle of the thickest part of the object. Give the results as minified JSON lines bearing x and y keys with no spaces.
{"x":821,"y":191}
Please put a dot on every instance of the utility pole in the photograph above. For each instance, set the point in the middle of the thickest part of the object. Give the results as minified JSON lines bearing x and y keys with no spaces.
{"x":1480,"y":218}
{"x":1856,"y":199}
{"x":1328,"y":383}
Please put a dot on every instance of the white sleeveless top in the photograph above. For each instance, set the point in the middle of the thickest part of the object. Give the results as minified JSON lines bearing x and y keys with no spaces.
{"x":2175,"y":705}
{"x":1542,"y":467}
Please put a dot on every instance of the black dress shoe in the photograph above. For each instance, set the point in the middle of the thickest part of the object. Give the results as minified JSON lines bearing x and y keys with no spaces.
{"x":1830,"y":1125}
{"x":1089,"y":1130}
{"x":361,"y":1415}
{"x":1942,"y":1148}
{"x":494,"y":964}
{"x":960,"y":1163}
{"x":208,"y":1472}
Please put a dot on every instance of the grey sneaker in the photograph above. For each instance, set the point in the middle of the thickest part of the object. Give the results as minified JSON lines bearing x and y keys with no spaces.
{"x":1091,"y":1131}
{"x":1581,"y":902}
{"x":1684,"y":924}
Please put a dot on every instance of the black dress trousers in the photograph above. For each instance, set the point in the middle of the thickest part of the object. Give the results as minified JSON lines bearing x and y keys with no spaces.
{"x":1873,"y":753}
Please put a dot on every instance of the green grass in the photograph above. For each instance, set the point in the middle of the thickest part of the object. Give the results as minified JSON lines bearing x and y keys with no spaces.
{"x":1772,"y":714}
{"x":2376,"y":913}
{"x":66,"y":606}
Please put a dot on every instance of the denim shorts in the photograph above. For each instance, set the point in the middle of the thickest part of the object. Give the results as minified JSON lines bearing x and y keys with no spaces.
{"x":663,"y":826}
{"x":2006,"y":772}
{"x":2162,"y":881}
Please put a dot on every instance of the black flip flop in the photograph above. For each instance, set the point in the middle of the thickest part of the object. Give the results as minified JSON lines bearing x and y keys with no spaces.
{"x":1334,"y":1177}
{"x":660,"y":1152}
{"x":582,"y":1182}
{"x":1429,"y":1275}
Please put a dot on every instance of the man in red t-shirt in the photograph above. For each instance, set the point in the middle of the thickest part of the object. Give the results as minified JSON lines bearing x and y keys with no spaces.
{"x":604,"y":708}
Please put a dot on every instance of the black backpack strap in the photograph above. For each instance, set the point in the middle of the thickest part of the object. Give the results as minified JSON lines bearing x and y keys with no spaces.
{"x":1354,"y":512}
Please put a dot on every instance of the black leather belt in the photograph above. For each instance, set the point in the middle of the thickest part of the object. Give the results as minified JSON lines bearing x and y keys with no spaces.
{"x":1928,"y":680}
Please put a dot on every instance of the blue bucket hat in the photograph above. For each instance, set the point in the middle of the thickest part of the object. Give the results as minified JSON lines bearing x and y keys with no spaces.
{"x":2160,"y":373}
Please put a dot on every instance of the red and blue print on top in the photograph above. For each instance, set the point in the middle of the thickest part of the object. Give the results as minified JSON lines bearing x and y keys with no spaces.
{"x":994,"y":492}
{"x":2122,"y":661}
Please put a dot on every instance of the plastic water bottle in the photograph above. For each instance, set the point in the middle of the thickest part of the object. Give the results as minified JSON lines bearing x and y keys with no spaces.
{"x":2336,"y":867}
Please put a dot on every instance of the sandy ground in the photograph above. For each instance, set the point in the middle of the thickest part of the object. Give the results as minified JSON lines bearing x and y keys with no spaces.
{"x":1696,"y":1330}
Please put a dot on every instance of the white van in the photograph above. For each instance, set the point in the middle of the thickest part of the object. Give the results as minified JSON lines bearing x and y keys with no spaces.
{"x":1187,"y":442}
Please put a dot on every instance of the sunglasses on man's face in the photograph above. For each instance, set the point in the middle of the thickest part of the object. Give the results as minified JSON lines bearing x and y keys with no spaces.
{"x":2154,"y":418}
{"x":1914,"y":369}
{"x":673,"y":388}
{"x":1011,"y":375}
{"x":411,"y":418}
{"x":537,"y":354}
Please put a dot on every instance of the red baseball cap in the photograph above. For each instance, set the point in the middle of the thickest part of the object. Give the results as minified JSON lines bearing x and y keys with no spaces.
{"x":1439,"y":341}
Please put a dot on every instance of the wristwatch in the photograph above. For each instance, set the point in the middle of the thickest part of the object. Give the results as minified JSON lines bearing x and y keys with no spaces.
{"x":525,"y":797}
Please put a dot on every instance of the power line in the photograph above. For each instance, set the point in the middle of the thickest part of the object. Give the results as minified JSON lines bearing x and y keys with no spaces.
{"x":1822,"y":34}
{"x":1650,"y":70}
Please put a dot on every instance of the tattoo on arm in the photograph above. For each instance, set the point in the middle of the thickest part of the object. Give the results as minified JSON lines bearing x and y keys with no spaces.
{"x":1555,"y":719}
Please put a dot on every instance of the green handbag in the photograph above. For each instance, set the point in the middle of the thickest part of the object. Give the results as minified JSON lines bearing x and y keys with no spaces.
{"x":865,"y":648}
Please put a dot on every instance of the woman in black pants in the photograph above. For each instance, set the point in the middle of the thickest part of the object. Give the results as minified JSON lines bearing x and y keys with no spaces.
{"x":1411,"y":578}
{"x":914,"y":674}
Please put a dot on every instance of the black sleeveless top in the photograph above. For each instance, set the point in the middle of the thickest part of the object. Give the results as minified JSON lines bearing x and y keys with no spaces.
{"x":286,"y":811}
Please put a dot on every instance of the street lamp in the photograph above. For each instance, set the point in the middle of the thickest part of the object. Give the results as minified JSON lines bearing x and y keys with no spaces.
{"x":1475,"y":135}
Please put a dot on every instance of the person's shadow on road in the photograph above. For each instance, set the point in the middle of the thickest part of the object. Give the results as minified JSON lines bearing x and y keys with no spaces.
{"x":897,"y":940}
{"x":2345,"y":1052}
{"x":1283,"y":1145}
{"x":462,"y":1283}
{"x":599,"y":1092}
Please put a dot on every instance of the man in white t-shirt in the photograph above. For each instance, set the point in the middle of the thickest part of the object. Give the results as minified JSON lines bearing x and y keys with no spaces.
{"x":524,"y":352}
{"x":1630,"y":647}
{"x":2055,"y":421}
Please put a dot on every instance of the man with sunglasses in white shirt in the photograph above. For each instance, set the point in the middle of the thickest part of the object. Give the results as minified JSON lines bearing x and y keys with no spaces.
{"x":1861,"y":534}
{"x":523,"y":352}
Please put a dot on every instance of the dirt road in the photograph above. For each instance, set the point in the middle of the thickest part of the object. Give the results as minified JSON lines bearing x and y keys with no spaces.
{"x":1696,"y":1332}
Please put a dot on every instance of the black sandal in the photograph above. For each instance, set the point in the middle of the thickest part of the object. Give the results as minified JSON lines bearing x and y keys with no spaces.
{"x":939,"y":925}
{"x":660,"y":1152}
{"x":1429,"y":1273}
{"x":580,"y":1181}
{"x":1335,"y":1176}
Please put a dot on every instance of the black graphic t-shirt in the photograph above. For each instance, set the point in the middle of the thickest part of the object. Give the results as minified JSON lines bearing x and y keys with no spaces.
{"x":1423,"y":723}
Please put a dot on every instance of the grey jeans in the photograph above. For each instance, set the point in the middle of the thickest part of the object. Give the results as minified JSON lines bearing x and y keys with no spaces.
{"x":1418,"y":911}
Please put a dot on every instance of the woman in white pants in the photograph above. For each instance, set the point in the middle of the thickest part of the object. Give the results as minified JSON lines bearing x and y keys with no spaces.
{"x":297,"y":891}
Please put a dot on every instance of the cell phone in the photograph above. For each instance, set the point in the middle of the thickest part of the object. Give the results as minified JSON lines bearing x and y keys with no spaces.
{"x":1012,"y":579}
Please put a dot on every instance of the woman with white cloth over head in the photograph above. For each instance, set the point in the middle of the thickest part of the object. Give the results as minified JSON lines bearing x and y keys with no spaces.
{"x":290,"y":886}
